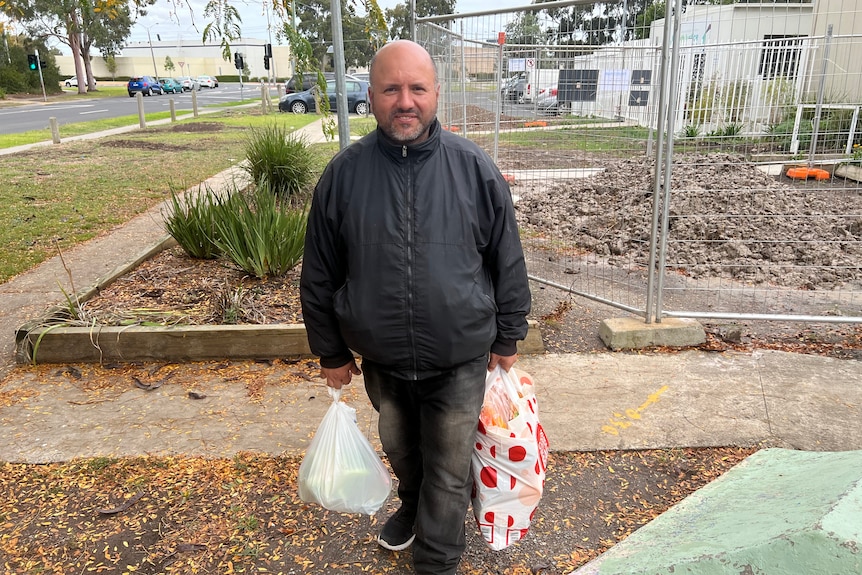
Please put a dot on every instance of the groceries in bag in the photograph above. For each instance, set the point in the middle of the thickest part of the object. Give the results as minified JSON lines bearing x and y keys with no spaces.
{"x":510,"y":458}
{"x":340,"y":470}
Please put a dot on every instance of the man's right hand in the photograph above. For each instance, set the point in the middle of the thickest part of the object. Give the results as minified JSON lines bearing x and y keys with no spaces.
{"x":336,"y":377}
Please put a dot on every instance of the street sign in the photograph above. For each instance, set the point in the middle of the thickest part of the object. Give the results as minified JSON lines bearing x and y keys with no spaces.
{"x":531,"y":63}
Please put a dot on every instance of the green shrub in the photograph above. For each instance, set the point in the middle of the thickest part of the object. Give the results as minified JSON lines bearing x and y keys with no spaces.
{"x":261,"y":233}
{"x":192,"y":222}
{"x":690,"y":131}
{"x":781,"y":135}
{"x":279,"y":160}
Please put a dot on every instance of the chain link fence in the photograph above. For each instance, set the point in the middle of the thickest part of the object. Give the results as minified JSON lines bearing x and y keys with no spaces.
{"x":706,"y":165}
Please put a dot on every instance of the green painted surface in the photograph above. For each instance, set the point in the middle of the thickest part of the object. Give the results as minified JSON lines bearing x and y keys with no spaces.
{"x":780,"y":512}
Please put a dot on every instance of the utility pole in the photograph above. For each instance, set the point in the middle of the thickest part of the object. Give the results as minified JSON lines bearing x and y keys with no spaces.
{"x":152,"y":54}
{"x":41,"y":78}
{"x":340,"y":93}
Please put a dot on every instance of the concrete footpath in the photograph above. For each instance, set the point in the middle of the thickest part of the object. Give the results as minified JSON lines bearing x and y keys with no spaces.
{"x":587,"y":401}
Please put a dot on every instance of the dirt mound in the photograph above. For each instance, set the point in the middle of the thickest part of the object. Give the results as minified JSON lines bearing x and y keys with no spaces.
{"x":727,"y":218}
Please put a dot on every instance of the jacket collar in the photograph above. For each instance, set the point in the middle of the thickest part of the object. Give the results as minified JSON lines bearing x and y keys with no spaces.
{"x":419,"y":151}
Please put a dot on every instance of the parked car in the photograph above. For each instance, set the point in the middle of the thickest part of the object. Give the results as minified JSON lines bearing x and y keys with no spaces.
{"x":189,"y":83}
{"x":169,"y":85}
{"x":546,"y":102}
{"x":208,"y":81}
{"x":302,"y":102}
{"x":514,"y":89}
{"x":309,"y":79}
{"x":147,"y":85}
{"x":73,"y":82}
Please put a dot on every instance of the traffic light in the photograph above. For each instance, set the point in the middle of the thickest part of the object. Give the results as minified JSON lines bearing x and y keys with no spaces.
{"x":32,"y":62}
{"x":237,"y":61}
{"x":267,"y":56}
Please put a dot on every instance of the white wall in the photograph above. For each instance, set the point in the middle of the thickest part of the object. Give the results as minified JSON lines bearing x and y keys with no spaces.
{"x":137,"y":59}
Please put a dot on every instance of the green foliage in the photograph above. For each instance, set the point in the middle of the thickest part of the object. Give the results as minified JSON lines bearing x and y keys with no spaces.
{"x":279,"y":159}
{"x":691,"y":131}
{"x":778,"y":95}
{"x":728,"y":131}
{"x":224,"y":27}
{"x":781,"y":134}
{"x":15,"y":76}
{"x":261,"y":233}
{"x":734,"y":97}
{"x":701,"y":104}
{"x":192,"y":222}
{"x":305,"y":61}
{"x":834,"y":129}
{"x":398,"y":17}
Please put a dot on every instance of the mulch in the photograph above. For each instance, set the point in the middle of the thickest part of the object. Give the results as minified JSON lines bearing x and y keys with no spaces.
{"x":243,"y":515}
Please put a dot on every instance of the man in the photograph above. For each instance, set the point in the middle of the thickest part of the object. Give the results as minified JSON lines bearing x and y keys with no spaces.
{"x":413,"y":261}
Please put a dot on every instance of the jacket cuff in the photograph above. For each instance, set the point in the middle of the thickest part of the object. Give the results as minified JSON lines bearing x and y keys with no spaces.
{"x":505,"y":347}
{"x":336,"y":361}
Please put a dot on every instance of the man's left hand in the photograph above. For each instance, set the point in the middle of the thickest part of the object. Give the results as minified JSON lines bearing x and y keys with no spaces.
{"x":504,"y":361}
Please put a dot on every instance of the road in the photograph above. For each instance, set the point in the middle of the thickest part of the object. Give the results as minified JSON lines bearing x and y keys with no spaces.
{"x":19,"y":119}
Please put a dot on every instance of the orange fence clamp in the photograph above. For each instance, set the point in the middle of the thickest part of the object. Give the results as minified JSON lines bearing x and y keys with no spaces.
{"x":805,"y":173}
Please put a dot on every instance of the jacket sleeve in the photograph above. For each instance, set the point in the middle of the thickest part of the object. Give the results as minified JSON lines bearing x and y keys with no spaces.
{"x":504,"y":259}
{"x":323,"y":272}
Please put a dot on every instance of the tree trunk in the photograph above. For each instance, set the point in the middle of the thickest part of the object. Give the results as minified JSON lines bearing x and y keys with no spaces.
{"x":73,"y":29}
{"x":88,"y":66}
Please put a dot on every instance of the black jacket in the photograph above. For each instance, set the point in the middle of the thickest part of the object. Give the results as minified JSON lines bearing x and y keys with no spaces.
{"x":412,"y":257}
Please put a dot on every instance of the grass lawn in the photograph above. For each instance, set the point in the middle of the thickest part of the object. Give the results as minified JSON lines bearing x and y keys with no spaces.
{"x":54,"y":197}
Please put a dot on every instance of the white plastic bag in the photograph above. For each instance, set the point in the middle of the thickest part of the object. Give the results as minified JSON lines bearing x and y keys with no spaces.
{"x":509,"y":459}
{"x":340,"y":470}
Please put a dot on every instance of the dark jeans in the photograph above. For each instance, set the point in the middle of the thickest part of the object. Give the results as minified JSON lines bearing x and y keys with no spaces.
{"x":427,"y":428}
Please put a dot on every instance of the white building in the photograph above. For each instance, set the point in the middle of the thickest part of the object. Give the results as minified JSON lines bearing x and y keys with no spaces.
{"x":190,"y":58}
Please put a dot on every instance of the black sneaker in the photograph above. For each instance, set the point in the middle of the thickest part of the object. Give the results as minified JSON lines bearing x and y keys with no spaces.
{"x":397,"y":533}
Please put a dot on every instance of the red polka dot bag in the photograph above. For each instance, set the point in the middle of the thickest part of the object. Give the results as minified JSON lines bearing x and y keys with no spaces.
{"x":509,"y":459}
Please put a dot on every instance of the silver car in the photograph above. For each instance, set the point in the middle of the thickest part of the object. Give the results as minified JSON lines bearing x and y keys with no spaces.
{"x":189,"y":83}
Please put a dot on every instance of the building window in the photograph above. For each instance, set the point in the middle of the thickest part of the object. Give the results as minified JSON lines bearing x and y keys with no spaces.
{"x":780,"y":56}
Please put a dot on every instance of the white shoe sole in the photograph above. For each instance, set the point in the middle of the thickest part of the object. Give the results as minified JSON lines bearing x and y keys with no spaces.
{"x":391,"y":547}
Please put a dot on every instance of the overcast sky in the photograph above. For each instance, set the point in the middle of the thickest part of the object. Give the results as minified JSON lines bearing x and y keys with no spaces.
{"x":163,"y":22}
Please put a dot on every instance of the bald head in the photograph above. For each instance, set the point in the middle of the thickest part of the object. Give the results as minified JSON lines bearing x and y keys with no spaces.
{"x":404,"y":91}
{"x":404,"y":51}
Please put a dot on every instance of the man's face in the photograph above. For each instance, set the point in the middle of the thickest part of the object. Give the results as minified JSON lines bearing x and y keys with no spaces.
{"x":403,"y":92}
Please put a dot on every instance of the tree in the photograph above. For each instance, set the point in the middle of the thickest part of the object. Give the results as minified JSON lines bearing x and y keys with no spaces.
{"x":79,"y":24}
{"x":15,"y":77}
{"x":525,"y":30}
{"x":315,"y":25}
{"x":169,"y":64}
{"x":398,"y":18}
{"x":111,"y":65}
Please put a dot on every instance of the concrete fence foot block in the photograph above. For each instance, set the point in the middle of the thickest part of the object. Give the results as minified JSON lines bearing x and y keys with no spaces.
{"x":634,"y":333}
{"x":779,"y":512}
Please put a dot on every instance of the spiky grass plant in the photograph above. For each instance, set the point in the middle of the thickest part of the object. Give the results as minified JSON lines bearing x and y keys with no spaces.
{"x":262,"y":232}
{"x":192,"y":222}
{"x":280,"y":160}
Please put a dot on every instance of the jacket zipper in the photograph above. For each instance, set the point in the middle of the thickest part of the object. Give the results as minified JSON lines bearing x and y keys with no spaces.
{"x":409,"y":243}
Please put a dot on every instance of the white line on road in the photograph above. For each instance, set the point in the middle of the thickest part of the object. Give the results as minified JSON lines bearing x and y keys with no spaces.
{"x":42,"y":109}
{"x":93,"y":112}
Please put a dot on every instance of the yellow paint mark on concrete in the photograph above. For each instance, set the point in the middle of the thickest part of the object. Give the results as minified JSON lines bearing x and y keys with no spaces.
{"x":624,"y":420}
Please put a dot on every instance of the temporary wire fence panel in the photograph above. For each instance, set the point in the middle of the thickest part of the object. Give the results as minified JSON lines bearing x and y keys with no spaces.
{"x":567,"y":100}
{"x":516,"y":83}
